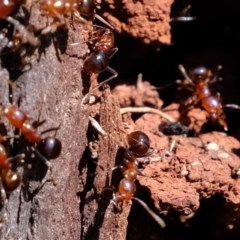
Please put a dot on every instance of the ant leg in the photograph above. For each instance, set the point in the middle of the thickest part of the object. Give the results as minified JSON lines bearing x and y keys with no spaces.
{"x":27,"y":37}
{"x":114,"y":75}
{"x":43,"y":159}
{"x":18,"y":158}
{"x":157,"y":218}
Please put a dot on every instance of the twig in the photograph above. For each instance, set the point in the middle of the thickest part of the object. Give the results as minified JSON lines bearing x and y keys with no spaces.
{"x":147,"y":110}
{"x":158,"y":219}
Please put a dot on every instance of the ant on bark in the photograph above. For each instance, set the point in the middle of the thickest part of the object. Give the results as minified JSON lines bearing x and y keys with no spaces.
{"x":101,"y":42}
{"x":46,"y":148}
{"x":138,"y":147}
{"x":199,"y":80}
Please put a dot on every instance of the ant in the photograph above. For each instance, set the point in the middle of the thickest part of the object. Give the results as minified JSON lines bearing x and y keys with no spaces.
{"x":199,"y":79}
{"x":46,"y":148}
{"x":102,"y":42}
{"x":138,"y":146}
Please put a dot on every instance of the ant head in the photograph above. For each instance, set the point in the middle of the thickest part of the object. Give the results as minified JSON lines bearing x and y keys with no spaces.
{"x":139,"y":143}
{"x":199,"y":73}
{"x":50,"y":147}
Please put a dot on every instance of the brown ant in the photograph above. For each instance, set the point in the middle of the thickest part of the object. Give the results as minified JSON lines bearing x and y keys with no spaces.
{"x":138,"y":146}
{"x":102,"y":42}
{"x":199,"y":79}
{"x":46,"y":148}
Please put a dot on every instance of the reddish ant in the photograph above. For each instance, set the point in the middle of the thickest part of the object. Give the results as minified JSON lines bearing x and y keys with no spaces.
{"x":138,"y":147}
{"x":46,"y":148}
{"x":102,"y":43}
{"x":199,"y":79}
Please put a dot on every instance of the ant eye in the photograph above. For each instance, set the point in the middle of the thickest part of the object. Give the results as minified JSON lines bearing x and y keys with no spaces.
{"x":50,"y":147}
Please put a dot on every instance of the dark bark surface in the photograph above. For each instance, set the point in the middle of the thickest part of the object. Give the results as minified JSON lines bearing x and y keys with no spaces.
{"x":51,"y":89}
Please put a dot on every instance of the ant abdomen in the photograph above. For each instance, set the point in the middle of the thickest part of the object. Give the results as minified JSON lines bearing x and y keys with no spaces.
{"x":50,"y":147}
{"x":15,"y":116}
{"x":11,"y":180}
{"x":86,"y":8}
{"x":126,"y":189}
{"x":96,"y":62}
{"x":139,"y":143}
{"x":213,"y":106}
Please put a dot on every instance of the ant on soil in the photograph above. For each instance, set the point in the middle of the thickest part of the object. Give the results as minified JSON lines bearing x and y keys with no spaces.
{"x":101,"y":42}
{"x":138,"y":147}
{"x":199,"y":80}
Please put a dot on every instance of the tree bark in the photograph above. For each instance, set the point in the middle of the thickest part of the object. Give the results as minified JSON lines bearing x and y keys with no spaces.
{"x":51,"y":88}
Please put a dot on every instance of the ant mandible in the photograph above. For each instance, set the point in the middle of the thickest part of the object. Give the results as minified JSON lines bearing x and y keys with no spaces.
{"x":199,"y":79}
